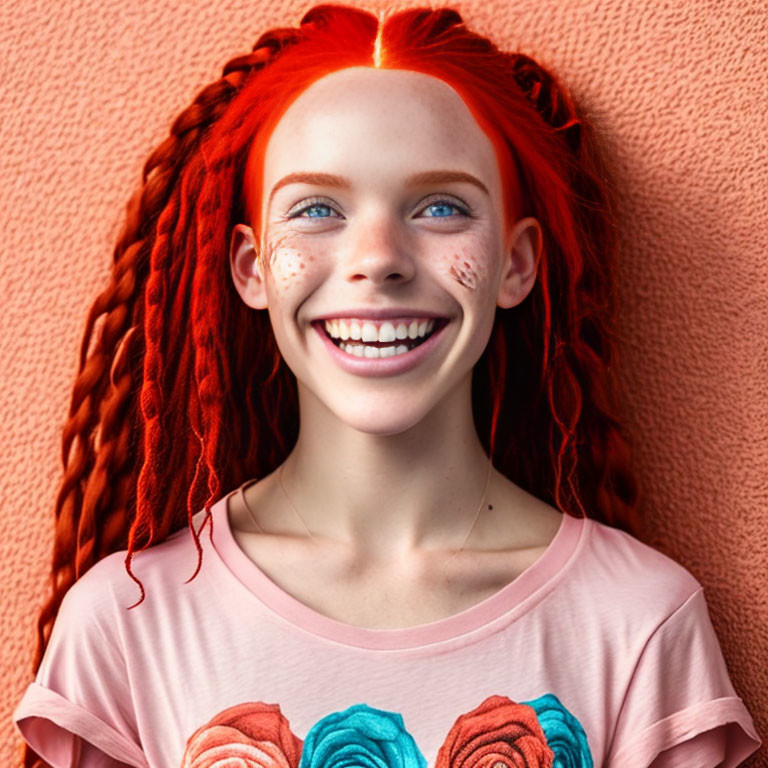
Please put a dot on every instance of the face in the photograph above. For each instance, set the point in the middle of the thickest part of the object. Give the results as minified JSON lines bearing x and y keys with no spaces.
{"x":382,"y":220}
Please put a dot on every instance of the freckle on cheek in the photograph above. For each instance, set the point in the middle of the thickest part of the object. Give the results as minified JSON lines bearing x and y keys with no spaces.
{"x":285,"y":261}
{"x":468,"y":273}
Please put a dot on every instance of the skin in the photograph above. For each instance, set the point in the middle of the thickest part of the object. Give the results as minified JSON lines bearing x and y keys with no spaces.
{"x":384,"y":243}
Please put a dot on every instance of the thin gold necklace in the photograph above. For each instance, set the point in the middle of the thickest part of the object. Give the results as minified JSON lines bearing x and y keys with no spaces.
{"x":471,"y":528}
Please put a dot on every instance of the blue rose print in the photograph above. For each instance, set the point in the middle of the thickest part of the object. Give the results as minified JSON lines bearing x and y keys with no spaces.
{"x":362,"y":736}
{"x":565,"y":736}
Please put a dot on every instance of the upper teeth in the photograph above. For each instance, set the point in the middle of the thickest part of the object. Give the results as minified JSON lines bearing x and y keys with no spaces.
{"x":366,"y":331}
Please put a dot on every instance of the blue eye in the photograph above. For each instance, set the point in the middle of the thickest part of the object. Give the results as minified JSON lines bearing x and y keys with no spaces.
{"x":445,"y":208}
{"x":316,"y":208}
{"x":310,"y":208}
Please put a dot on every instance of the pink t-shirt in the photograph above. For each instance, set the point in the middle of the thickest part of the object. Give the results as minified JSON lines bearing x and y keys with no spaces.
{"x":601,"y":653}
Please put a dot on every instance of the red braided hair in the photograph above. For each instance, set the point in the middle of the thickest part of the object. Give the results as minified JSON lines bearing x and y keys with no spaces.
{"x":183,"y":391}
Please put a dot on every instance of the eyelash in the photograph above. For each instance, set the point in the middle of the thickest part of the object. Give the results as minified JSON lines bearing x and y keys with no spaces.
{"x":438,"y":199}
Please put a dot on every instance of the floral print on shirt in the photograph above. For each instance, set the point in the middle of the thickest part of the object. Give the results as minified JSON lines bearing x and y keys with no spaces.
{"x":499,"y":733}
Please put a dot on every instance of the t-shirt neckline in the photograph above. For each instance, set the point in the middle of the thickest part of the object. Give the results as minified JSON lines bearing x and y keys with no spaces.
{"x":519,"y":595}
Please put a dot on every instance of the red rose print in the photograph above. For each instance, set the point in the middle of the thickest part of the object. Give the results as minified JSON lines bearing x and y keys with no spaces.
{"x":249,"y":735}
{"x":497,"y":734}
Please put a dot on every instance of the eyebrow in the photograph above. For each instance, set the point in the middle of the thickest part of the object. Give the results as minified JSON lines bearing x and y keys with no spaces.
{"x":342,"y":182}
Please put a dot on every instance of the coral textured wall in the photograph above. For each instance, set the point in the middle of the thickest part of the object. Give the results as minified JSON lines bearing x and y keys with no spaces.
{"x":89,"y":88}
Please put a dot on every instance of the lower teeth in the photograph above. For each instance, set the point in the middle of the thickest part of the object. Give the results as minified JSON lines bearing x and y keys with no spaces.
{"x":363,"y":350}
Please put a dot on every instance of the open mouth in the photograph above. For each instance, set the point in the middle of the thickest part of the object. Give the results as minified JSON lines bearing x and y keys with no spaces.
{"x":373,"y":349}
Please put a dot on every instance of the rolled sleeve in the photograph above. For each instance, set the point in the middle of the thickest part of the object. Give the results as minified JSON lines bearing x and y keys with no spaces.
{"x":51,"y":725}
{"x":680,"y":707}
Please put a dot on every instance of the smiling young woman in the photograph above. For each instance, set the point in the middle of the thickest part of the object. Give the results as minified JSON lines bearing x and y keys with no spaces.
{"x":371,"y":299}
{"x":408,"y":241}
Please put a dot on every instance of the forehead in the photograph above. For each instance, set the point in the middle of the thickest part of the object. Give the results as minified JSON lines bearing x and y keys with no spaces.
{"x":369,"y":123}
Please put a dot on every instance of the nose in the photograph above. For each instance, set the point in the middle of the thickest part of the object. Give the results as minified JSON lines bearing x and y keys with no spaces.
{"x":376,"y":251}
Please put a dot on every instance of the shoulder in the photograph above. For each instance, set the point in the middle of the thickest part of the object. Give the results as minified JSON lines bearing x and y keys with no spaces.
{"x":664,"y":658}
{"x":629,"y":576}
{"x":162,"y":568}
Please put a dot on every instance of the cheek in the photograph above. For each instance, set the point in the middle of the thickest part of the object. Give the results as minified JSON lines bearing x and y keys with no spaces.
{"x":466,"y":266}
{"x":286,"y":263}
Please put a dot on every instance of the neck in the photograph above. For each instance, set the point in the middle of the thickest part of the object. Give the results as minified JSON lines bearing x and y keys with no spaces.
{"x":386,"y":496}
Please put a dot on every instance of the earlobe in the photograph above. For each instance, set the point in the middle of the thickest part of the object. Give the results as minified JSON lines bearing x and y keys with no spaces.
{"x":521,"y":262}
{"x":246,"y":269}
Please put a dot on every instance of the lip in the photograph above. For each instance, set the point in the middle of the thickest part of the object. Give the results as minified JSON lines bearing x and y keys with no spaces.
{"x":382,"y":313}
{"x":380,"y":366}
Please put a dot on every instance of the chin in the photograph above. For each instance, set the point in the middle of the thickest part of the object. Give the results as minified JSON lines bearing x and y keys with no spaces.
{"x":379,"y":419}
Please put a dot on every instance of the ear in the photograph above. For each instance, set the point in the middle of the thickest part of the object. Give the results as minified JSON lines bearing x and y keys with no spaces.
{"x":521,"y":262}
{"x":246,"y":271}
